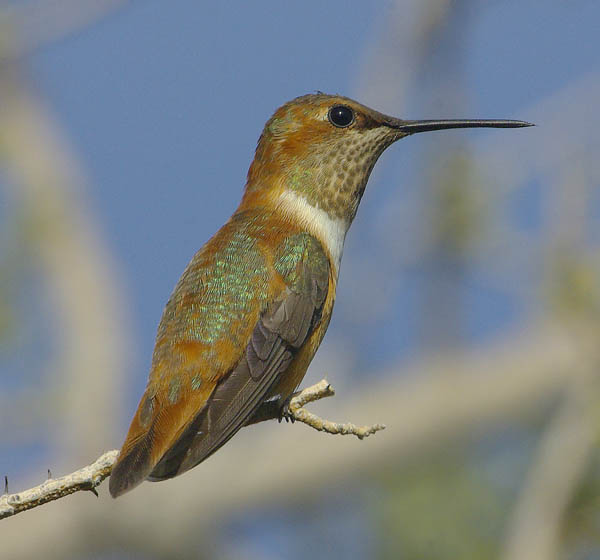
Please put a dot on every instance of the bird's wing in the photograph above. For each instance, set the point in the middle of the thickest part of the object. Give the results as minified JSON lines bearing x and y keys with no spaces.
{"x":180,"y":423}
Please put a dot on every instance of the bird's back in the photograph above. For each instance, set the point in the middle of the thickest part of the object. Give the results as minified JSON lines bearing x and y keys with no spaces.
{"x":204,"y":336}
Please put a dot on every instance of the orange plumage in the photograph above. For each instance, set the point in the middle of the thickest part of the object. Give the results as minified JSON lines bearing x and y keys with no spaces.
{"x":253,"y":305}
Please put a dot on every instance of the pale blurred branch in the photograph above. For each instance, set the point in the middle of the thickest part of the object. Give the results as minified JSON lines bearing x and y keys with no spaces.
{"x":557,"y":469}
{"x":34,"y":24}
{"x":74,"y":268}
{"x":90,"y":476}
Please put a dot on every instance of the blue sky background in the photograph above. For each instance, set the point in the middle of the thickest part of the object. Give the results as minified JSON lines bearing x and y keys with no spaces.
{"x":165,"y":106}
{"x":164,"y":102}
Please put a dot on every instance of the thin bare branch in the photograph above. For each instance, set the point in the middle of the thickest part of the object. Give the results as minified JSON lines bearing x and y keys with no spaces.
{"x":91,"y":476}
{"x":86,"y":478}
{"x":318,"y":391}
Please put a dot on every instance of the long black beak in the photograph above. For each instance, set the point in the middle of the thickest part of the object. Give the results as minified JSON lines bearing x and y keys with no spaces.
{"x":412,"y":127}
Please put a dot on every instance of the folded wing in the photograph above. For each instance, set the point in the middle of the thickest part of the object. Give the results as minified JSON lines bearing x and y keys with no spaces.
{"x":209,"y":417}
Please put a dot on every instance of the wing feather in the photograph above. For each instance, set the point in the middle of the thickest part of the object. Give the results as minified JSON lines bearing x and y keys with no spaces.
{"x":275,"y":340}
{"x":173,"y":432}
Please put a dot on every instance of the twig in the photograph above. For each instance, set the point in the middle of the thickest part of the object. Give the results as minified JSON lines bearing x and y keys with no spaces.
{"x":86,"y":478}
{"x":89,"y":477}
{"x":319,"y":391}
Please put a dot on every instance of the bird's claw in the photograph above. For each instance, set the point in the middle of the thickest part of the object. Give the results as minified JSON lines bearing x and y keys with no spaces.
{"x":285,"y":413}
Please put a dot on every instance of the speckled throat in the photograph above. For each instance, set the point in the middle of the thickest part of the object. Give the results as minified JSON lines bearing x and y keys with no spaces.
{"x":300,"y":150}
{"x":334,"y":178}
{"x":304,"y":150}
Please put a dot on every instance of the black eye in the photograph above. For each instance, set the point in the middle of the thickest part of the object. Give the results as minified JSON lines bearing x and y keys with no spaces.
{"x":341,"y":116}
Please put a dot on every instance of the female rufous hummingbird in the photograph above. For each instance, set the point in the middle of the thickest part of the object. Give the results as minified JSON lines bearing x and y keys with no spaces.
{"x":253,"y":305}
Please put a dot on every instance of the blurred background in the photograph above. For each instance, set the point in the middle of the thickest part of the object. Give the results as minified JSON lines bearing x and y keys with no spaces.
{"x":467,"y":316}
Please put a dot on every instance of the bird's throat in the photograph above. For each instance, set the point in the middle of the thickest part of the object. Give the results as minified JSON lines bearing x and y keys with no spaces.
{"x":329,"y":229}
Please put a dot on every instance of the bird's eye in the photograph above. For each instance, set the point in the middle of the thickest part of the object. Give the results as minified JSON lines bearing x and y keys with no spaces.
{"x":341,"y":116}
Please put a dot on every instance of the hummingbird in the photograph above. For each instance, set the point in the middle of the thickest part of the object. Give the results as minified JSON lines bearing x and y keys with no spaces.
{"x":251,"y":309}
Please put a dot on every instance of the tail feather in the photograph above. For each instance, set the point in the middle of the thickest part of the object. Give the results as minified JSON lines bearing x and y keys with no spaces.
{"x":132,"y":468}
{"x":160,"y":441}
{"x":169,"y":464}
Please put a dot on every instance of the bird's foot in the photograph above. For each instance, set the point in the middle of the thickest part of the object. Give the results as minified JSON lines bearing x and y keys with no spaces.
{"x":285,"y":413}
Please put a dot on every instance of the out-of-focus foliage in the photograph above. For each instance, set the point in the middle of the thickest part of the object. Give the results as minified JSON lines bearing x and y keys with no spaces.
{"x":581,"y":528}
{"x":13,"y":260}
{"x":573,"y":287}
{"x":457,"y":212}
{"x":440,"y":508}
